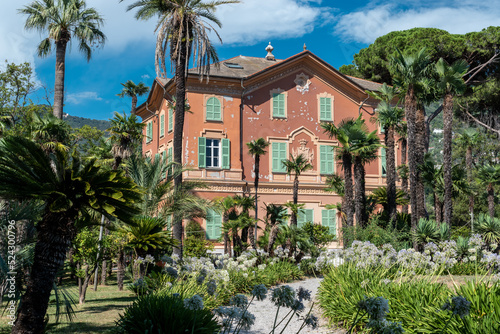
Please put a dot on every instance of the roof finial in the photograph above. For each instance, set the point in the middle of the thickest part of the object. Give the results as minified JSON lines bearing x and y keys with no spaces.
{"x":269,"y":50}
{"x":305,"y":47}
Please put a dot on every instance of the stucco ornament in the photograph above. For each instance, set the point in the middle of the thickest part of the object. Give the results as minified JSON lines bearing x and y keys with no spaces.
{"x":305,"y":151}
{"x":302,"y":81}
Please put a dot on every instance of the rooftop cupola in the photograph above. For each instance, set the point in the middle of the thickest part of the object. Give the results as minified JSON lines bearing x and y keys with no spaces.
{"x":269,"y":50}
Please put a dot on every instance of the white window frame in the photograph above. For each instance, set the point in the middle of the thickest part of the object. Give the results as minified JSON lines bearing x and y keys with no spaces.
{"x":219,"y":156}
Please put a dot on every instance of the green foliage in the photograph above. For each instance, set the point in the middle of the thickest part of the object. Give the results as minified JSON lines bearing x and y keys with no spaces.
{"x":195,"y":244}
{"x":319,"y":236}
{"x":488,"y":227}
{"x":165,"y":314}
{"x":81,"y":122}
{"x":377,"y":235}
{"x":414,"y":301}
{"x":430,"y":231}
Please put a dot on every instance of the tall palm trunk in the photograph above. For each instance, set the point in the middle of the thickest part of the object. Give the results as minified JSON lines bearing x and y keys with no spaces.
{"x":273,"y":234}
{"x":348,"y":187}
{"x":120,"y":273}
{"x":491,"y":200}
{"x":295,"y":198}
{"x":134,"y":104}
{"x":410,"y":110}
{"x":404,"y":180}
{"x":359,"y":192}
{"x":227,"y":241}
{"x":55,"y":234}
{"x":391,"y":173}
{"x":468,"y":163}
{"x":180,"y":96}
{"x":447,"y":134}
{"x":438,"y":208}
{"x":256,"y":186}
{"x":419,"y":158}
{"x":59,"y":79}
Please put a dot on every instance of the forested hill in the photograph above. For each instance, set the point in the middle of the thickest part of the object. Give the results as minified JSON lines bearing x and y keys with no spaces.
{"x":78,"y":122}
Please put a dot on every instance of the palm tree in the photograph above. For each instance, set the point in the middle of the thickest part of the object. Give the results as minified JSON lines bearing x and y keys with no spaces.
{"x":389,"y":118}
{"x":450,"y":82}
{"x":181,"y":31}
{"x":430,"y":174}
{"x":246,"y":203}
{"x":365,"y":147}
{"x":64,"y":20}
{"x":469,"y":138}
{"x":297,"y":165}
{"x":343,"y":133}
{"x":69,"y":190}
{"x":227,"y":206}
{"x":132,"y":90}
{"x":126,"y":134}
{"x":409,"y":73}
{"x":489,"y":176}
{"x":275,"y":214}
{"x":256,"y":148}
{"x":403,"y":168}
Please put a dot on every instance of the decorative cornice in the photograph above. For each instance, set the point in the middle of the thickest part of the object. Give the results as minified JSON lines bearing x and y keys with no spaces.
{"x":213,"y":89}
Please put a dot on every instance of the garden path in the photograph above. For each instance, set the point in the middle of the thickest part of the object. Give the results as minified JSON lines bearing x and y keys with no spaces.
{"x":265,"y":312}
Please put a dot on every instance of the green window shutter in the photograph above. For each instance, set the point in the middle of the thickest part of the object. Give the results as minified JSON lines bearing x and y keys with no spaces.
{"x":384,"y":163}
{"x":202,"y":152}
{"x":304,"y":216}
{"x":169,"y":222}
{"x":170,"y":155}
{"x":213,"y":109}
{"x":278,"y":105}
{"x":329,"y":219}
{"x":278,"y":155}
{"x":162,"y":125}
{"x":326,"y":159}
{"x":226,"y":154}
{"x":170,"y":119}
{"x":213,"y":226}
{"x":157,"y":157}
{"x":325,"y":109}
{"x":148,"y":132}
{"x":164,"y":161}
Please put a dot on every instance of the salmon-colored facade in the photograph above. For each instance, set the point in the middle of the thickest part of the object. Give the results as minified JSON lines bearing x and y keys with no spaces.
{"x":282,"y":101}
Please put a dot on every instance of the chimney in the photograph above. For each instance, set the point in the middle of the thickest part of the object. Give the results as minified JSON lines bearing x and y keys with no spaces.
{"x":269,"y":50}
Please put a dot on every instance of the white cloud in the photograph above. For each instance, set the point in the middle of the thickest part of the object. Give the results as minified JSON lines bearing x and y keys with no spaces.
{"x":77,"y":98}
{"x":455,"y":17}
{"x":145,"y":77}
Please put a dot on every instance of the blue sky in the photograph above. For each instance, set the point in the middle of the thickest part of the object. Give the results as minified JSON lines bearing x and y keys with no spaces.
{"x":333,"y":30}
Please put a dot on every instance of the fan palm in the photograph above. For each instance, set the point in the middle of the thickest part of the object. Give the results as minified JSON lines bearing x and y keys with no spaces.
{"x":296,"y":165}
{"x":275,"y":214}
{"x":126,"y":134}
{"x":64,"y":20}
{"x":130,"y":89}
{"x":489,"y":228}
{"x":50,"y":132}
{"x":226,"y":206}
{"x":182,"y":33}
{"x":246,"y":203}
{"x":450,"y":82}
{"x":256,"y":148}
{"x":410,"y":71}
{"x":401,"y":130}
{"x":489,"y":176}
{"x":69,"y":190}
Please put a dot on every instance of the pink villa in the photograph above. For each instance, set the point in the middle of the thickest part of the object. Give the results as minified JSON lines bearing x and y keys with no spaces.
{"x":282,"y":101}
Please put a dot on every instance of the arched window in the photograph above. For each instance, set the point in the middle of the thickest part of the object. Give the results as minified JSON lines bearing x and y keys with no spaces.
{"x":213,"y":109}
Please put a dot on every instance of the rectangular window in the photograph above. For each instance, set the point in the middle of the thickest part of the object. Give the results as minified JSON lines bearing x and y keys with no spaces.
{"x":278,"y":155}
{"x":164,"y":162}
{"x":325,"y":109}
{"x":170,"y":119}
{"x":326,"y":159}
{"x":162,"y":125}
{"x":304,"y":216}
{"x":329,"y":219}
{"x":169,"y":222}
{"x":214,"y":223}
{"x":384,"y":163}
{"x":278,"y":105}
{"x":214,"y":153}
{"x":213,"y":109}
{"x":149,"y":132}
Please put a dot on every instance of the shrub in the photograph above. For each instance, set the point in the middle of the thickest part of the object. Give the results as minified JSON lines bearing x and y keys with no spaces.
{"x":165,"y":314}
{"x":319,"y":236}
{"x":377,"y":235}
{"x":489,"y":228}
{"x":195,"y":243}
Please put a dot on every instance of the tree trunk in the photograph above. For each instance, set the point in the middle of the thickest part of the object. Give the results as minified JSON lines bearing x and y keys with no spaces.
{"x":468,"y":163}
{"x":72,"y":267}
{"x":419,"y":158}
{"x":55,"y":233}
{"x":295,"y":198}
{"x":410,"y":114}
{"x":59,"y":79}
{"x":438,"y":208}
{"x":404,"y":180}
{"x":391,"y":174}
{"x":447,"y":138}
{"x":359,"y":193}
{"x":117,"y":162}
{"x":251,"y":237}
{"x":256,"y":186}
{"x":273,"y":234}
{"x":120,"y":273}
{"x":237,"y":245}
{"x":348,"y":189}
{"x":104,"y":262}
{"x":180,"y":97}
{"x":134,"y":104}
{"x":84,"y":286}
{"x":491,"y":200}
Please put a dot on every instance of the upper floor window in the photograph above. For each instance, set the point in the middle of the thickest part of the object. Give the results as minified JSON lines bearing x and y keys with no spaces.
{"x":279,"y":105}
{"x":149,"y":132}
{"x":214,"y":109}
{"x":383,"y":162}
{"x":326,"y":162}
{"x":162,"y":125}
{"x":213,"y":153}
{"x":170,"y":119}
{"x":325,"y":109}
{"x":278,"y":155}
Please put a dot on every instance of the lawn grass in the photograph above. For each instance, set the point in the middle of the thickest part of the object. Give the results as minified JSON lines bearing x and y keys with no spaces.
{"x":97,"y":315}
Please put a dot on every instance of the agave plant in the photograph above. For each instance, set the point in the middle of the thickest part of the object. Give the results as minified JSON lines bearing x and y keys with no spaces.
{"x":489,"y":228}
{"x":427,"y":231}
{"x":462,"y":246}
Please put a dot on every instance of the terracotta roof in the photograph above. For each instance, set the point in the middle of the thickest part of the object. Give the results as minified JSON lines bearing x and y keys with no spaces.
{"x":239,"y":67}
{"x":365,"y":84}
